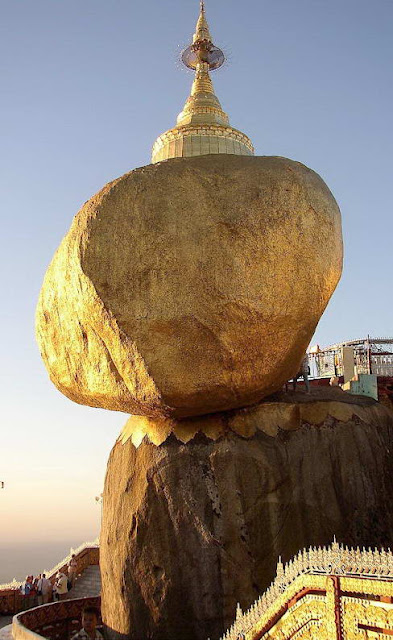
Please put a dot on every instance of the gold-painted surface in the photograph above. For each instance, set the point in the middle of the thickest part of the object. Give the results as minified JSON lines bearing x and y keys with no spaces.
{"x":306,"y":620}
{"x":307,"y":615}
{"x":202,"y":118}
{"x":190,"y":287}
{"x":315,"y":613}
{"x":358,"y":613}
{"x":202,"y":31}
{"x":326,"y":593}
{"x":203,"y":106}
{"x":201,"y":140}
{"x":267,"y":417}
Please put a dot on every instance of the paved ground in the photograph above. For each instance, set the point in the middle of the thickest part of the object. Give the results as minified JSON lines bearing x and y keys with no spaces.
{"x":5,"y":631}
{"x":88,"y":584}
{"x":4,"y":620}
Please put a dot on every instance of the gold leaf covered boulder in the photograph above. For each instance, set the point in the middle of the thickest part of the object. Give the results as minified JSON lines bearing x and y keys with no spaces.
{"x":190,"y":286}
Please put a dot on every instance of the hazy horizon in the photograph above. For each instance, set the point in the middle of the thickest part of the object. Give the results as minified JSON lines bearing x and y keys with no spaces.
{"x":31,"y":558}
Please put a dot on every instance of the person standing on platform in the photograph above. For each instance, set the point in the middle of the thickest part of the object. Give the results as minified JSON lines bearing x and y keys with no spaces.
{"x":61,"y":585}
{"x":46,"y":589}
{"x":25,"y":591}
{"x":39,"y":589}
{"x":303,"y":372}
{"x":72,"y":571}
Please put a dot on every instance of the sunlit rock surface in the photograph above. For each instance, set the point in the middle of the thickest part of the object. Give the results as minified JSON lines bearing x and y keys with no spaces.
{"x":191,"y":529}
{"x":190,"y":286}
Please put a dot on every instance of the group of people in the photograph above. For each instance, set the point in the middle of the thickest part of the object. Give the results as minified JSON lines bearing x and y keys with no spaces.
{"x":38,"y":590}
{"x":41,"y":590}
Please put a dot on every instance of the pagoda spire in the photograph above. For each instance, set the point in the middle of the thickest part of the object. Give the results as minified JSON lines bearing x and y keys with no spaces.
{"x":202,"y":127}
{"x":202,"y":28}
{"x":202,"y":106}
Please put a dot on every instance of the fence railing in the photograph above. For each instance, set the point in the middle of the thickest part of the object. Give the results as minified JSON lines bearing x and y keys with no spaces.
{"x":12,"y":600}
{"x":56,"y":621}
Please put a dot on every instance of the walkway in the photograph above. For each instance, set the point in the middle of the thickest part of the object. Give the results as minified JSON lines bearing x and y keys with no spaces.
{"x":88,"y":584}
{"x":5,"y":631}
{"x":4,"y":621}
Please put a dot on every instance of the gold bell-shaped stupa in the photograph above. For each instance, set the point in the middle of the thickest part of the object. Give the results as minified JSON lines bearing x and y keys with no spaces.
{"x":202,"y":127}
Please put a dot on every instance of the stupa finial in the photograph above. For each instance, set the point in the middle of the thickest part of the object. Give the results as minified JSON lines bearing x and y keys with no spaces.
{"x":202,"y":48}
{"x":202,"y":127}
{"x":202,"y":28}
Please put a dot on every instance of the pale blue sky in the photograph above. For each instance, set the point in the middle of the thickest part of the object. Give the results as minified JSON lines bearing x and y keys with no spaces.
{"x":87,"y":85}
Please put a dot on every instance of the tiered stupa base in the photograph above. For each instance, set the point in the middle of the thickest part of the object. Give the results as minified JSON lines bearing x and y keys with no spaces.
{"x":191,"y":528}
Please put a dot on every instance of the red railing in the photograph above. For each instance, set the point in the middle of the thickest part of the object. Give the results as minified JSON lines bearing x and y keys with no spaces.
{"x":12,"y":601}
{"x":56,"y":621}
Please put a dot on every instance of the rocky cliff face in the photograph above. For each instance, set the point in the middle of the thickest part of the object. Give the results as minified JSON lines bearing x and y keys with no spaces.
{"x":191,"y":529}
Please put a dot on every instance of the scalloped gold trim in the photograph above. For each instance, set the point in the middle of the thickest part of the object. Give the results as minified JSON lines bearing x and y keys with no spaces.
{"x":268,"y":417}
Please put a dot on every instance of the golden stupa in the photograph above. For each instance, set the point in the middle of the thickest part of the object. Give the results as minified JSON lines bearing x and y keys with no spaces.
{"x":202,"y":127}
{"x":192,"y":285}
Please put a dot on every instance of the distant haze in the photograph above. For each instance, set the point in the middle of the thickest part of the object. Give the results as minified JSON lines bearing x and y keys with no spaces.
{"x":18,"y":561}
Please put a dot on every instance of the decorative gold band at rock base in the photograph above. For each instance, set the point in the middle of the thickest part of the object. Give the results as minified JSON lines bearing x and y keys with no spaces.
{"x":268,"y":417}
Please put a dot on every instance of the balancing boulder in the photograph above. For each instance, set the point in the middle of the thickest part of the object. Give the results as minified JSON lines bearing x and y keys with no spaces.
{"x":190,"y":286}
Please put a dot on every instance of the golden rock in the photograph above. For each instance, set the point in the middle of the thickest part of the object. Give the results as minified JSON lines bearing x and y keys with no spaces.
{"x":190,"y":286}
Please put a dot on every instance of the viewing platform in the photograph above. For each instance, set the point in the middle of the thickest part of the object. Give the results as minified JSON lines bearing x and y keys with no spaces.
{"x":58,"y":619}
{"x":328,"y":593}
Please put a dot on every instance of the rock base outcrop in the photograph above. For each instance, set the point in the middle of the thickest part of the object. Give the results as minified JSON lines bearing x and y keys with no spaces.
{"x":191,"y":529}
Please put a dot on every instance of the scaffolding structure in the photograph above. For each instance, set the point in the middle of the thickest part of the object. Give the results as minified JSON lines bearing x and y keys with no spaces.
{"x":371,"y":355}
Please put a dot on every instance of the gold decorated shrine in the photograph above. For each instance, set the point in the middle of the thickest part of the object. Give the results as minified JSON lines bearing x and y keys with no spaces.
{"x":333,"y":593}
